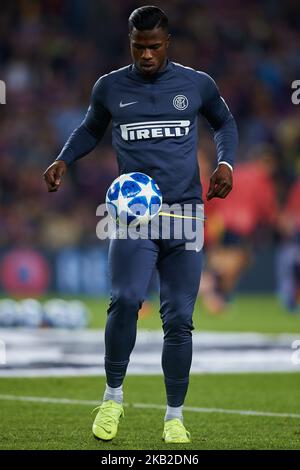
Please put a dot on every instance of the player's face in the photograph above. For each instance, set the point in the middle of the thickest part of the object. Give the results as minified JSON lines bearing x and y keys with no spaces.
{"x":149,"y":49}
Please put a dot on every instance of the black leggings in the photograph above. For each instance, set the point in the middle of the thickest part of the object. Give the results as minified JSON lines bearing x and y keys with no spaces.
{"x":131,"y":265}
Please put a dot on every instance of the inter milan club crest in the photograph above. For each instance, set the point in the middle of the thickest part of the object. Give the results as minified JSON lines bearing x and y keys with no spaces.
{"x":180,"y":102}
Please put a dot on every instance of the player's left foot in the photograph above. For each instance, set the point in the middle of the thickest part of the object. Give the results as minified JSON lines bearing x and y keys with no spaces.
{"x":105,"y":426}
{"x":175,"y":432}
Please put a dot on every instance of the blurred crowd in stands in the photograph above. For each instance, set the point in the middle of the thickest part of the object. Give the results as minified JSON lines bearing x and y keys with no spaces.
{"x":52,"y":52}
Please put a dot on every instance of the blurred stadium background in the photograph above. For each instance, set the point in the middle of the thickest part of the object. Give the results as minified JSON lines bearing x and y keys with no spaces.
{"x":51,"y":53}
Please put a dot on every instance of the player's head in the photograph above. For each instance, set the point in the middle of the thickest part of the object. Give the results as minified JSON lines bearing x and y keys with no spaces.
{"x":149,"y":39}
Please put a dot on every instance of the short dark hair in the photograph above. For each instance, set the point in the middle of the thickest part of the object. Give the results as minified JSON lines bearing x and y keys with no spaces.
{"x":147,"y":18}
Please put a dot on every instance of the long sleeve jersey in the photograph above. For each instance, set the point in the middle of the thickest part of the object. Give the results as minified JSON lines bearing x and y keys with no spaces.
{"x":155,"y":126}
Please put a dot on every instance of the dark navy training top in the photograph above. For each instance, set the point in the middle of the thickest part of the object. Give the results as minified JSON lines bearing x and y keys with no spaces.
{"x":154,"y":126}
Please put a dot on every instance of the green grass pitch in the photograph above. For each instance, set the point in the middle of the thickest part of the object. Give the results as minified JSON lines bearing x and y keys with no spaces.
{"x":35,"y":425}
{"x":30,"y":425}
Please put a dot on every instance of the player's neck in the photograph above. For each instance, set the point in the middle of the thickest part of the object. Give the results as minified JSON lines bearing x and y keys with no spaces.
{"x":157,"y":74}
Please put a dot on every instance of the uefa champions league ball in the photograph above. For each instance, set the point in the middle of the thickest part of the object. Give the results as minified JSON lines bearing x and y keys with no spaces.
{"x":9,"y":312}
{"x":61,"y":313}
{"x":56,"y":313}
{"x":31,"y":313}
{"x":78,"y":314}
{"x":133,"y":199}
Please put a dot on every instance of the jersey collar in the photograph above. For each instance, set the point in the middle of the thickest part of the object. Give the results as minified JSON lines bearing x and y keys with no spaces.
{"x":134,"y":71}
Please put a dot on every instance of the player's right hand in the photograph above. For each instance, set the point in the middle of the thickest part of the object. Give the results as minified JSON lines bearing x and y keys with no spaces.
{"x":53,"y":174}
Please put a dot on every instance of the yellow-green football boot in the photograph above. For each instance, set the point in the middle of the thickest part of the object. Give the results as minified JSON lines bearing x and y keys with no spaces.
{"x":175,"y":432}
{"x":105,"y":426}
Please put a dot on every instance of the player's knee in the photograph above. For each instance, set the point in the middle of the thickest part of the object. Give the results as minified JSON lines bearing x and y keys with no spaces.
{"x":128,"y":301}
{"x":177,"y":333}
{"x":177,"y":322}
{"x":177,"y":309}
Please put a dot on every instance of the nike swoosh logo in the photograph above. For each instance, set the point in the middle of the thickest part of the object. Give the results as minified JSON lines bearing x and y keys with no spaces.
{"x":122,"y":105}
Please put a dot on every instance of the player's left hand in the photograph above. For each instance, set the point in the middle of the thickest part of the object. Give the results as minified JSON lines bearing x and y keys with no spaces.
{"x":220,"y":182}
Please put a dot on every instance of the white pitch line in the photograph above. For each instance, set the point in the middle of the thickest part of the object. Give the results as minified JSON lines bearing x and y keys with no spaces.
{"x":59,"y":401}
{"x":69,"y":401}
{"x":222,"y":410}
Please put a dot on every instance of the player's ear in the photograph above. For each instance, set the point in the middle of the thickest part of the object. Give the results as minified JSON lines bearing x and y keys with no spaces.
{"x":168,"y":39}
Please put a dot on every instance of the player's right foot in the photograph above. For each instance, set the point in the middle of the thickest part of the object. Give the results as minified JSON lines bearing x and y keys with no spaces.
{"x":105,"y":426}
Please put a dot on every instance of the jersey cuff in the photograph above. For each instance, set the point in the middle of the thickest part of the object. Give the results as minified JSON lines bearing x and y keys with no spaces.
{"x":226,"y":163}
